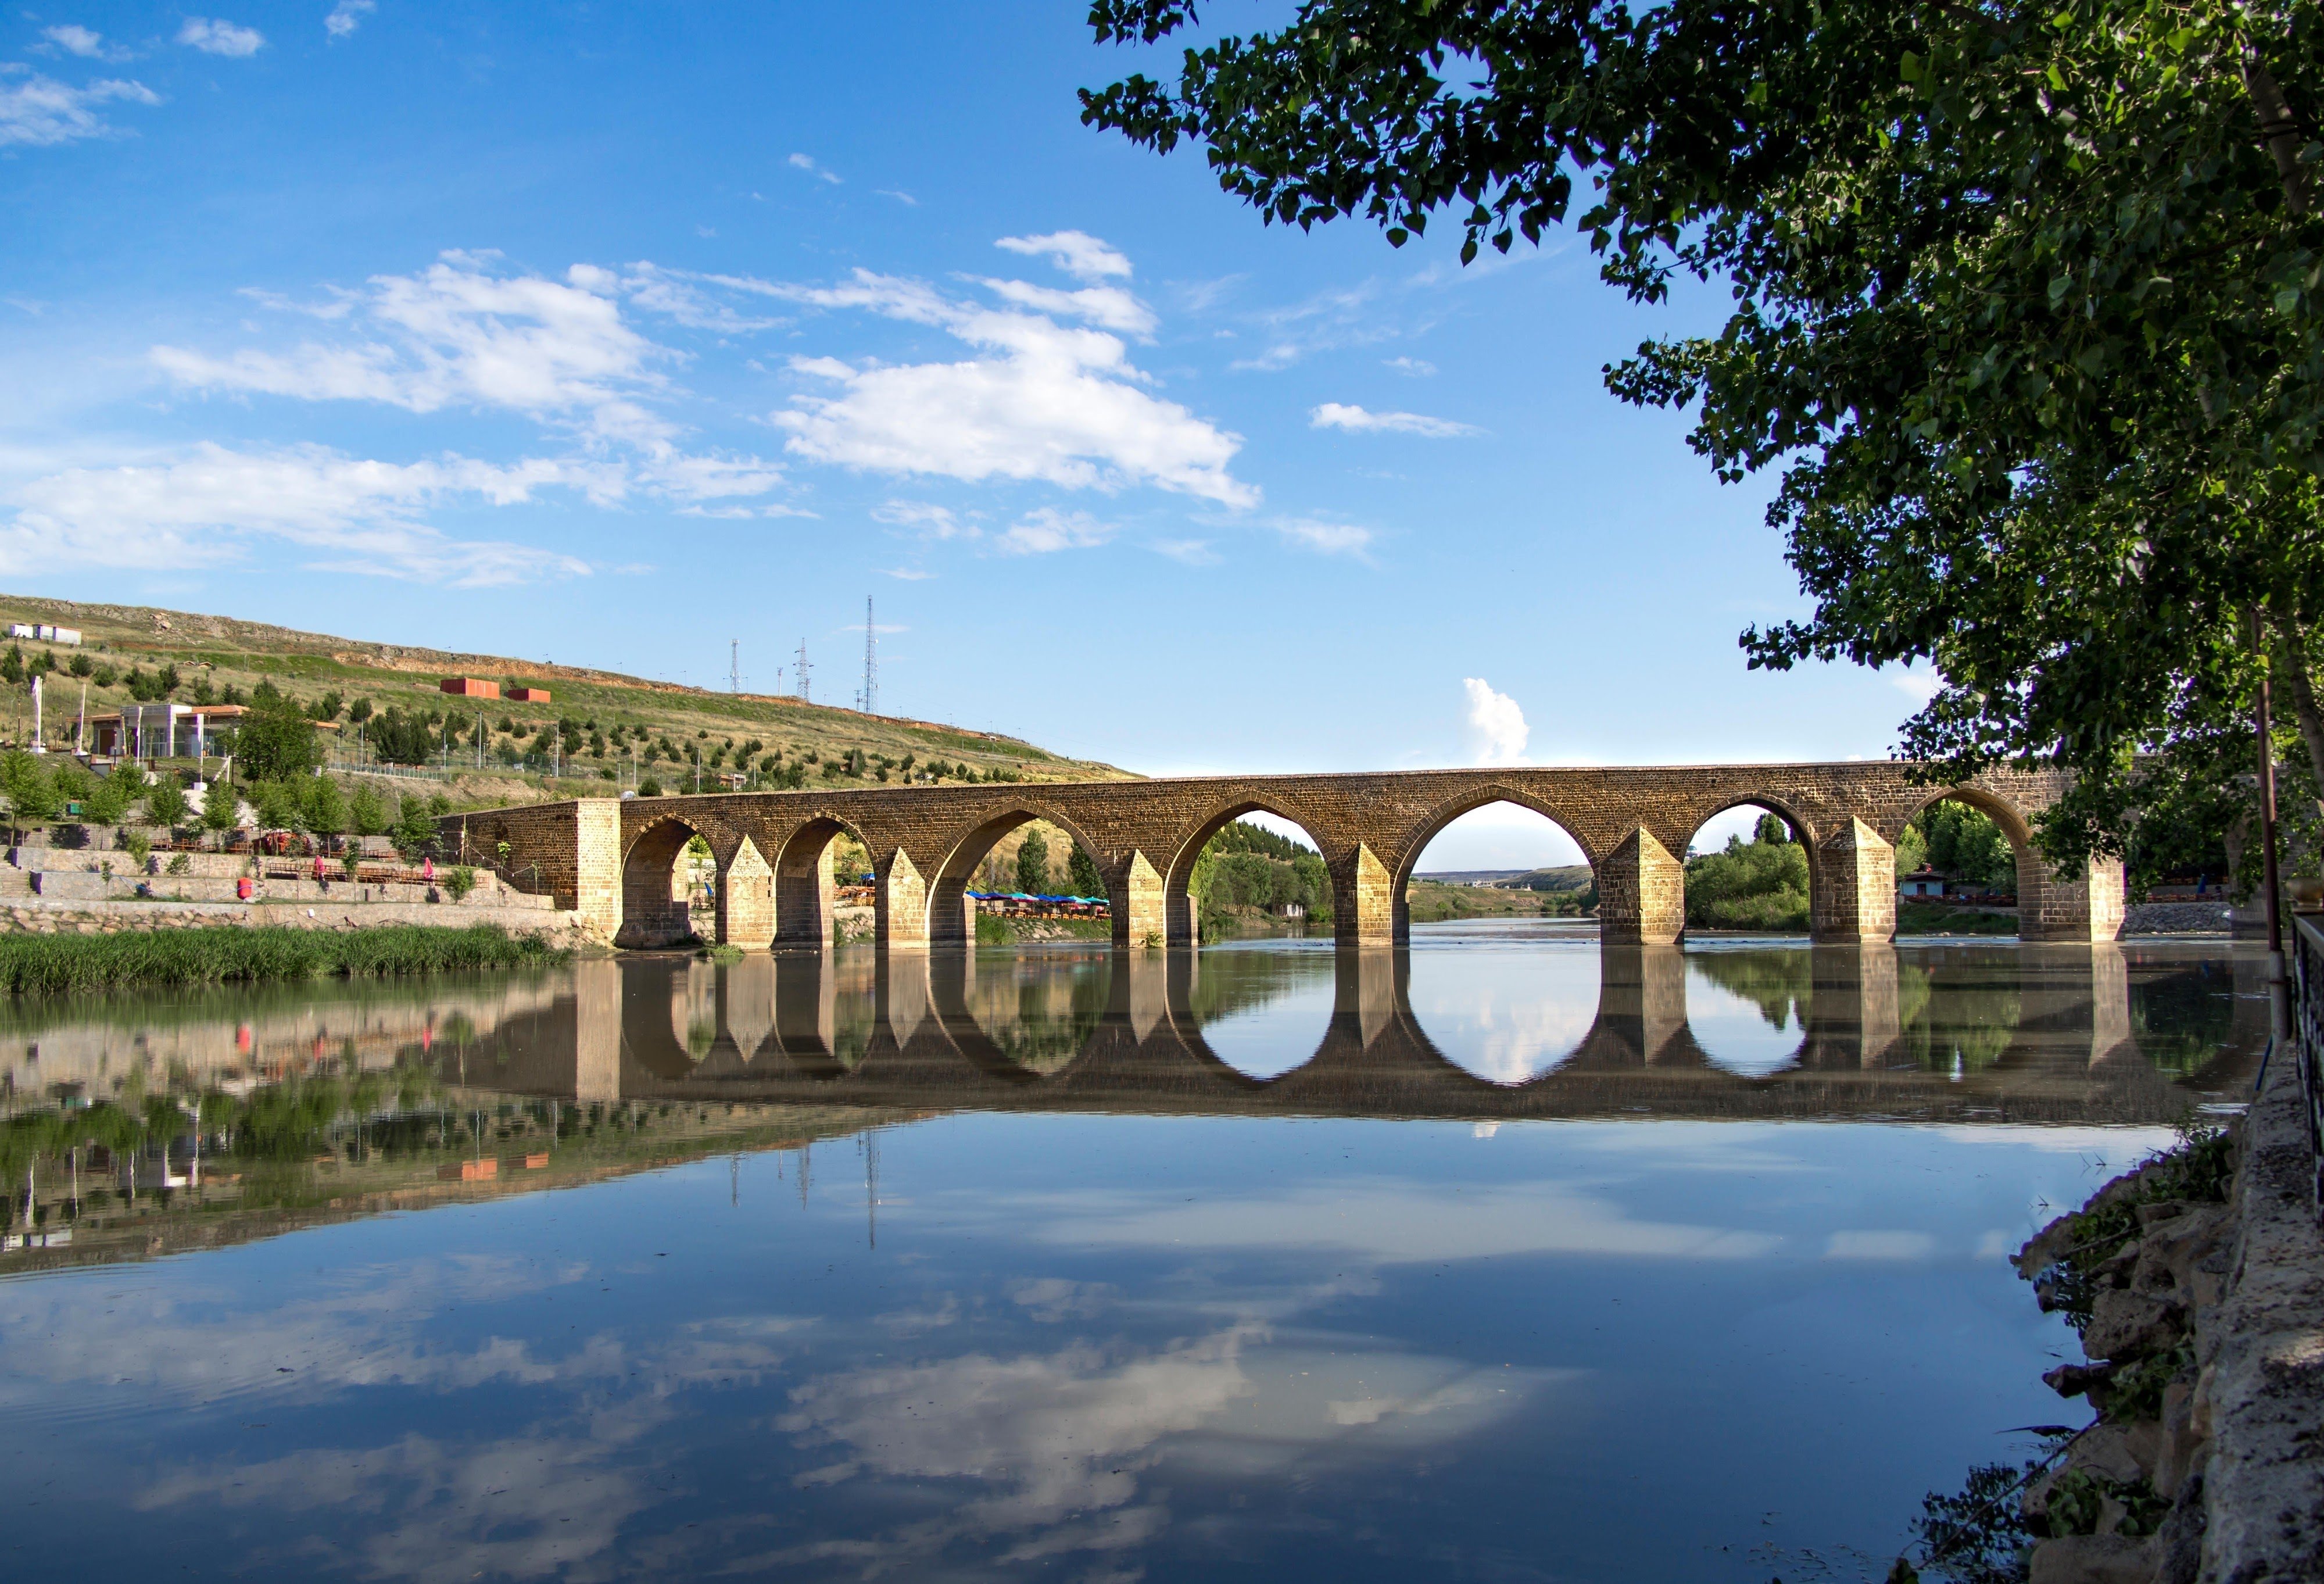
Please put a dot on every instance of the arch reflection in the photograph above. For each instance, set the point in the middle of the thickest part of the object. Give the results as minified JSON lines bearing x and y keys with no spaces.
{"x":2031,"y":1033}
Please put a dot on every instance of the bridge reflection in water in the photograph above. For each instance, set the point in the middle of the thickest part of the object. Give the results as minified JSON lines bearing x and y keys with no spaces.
{"x":2096,"y":1033}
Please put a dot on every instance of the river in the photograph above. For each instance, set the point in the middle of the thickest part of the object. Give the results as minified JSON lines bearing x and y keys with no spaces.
{"x":1503,"y":1258}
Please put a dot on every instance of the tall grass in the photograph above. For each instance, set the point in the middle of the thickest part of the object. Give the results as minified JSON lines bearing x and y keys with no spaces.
{"x":39,"y":965}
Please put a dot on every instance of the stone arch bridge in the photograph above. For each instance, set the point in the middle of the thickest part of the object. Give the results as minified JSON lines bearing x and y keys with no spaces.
{"x":614,"y":860}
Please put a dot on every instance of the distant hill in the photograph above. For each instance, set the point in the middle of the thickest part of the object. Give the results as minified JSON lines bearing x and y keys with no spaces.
{"x":1567,"y":877}
{"x":216,"y":651}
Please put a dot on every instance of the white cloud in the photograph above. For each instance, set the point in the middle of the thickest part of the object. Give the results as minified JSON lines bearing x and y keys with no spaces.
{"x":1048,"y":529}
{"x":1420,"y":366}
{"x":933,"y":521}
{"x":1109,"y":306}
{"x":1047,"y":400}
{"x":1338,"y":415}
{"x":75,"y":40}
{"x":1497,"y":727}
{"x":1880,"y":1246}
{"x":1326,"y":538}
{"x":347,"y":15}
{"x":351,"y":514}
{"x":906,"y":198}
{"x":802,"y":162}
{"x":1077,"y":253}
{"x":217,"y":36}
{"x":461,"y":334}
{"x":41,"y":112}
{"x":1916,"y":681}
{"x":1193,"y":552}
{"x":905,"y":574}
{"x":1397,"y":1224}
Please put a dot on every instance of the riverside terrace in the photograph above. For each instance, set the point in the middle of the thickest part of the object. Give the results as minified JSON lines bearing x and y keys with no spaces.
{"x":617,"y":862}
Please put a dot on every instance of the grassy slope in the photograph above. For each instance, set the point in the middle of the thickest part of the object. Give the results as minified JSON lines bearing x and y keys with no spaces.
{"x":306,"y":664}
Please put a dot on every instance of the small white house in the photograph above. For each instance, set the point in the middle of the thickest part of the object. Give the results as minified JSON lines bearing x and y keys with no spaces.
{"x":1922,"y":883}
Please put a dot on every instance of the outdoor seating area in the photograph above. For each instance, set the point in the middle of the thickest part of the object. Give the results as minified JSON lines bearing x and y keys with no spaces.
{"x":1018,"y":904}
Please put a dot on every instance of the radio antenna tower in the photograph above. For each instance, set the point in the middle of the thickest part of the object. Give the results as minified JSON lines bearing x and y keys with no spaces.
{"x":805,"y":695}
{"x":870,"y":700}
{"x":734,"y":667}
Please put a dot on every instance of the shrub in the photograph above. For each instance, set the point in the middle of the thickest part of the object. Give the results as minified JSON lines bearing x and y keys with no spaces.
{"x":78,"y":964}
{"x":458,"y":881}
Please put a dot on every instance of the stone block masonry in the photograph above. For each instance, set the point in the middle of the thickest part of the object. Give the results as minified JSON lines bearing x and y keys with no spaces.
{"x":612,"y":861}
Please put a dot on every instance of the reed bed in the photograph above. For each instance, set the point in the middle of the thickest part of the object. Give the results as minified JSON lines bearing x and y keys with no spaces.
{"x":44,"y":965}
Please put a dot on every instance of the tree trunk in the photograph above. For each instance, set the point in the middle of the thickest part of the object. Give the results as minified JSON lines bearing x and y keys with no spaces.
{"x":2302,"y":687}
{"x":2279,"y":129}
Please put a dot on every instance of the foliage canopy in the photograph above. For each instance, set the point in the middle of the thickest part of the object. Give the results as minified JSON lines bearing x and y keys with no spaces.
{"x":2026,"y":306}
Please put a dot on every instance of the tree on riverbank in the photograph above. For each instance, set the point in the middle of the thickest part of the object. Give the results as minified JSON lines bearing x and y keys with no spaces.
{"x":1246,"y":871}
{"x":1759,"y":884}
{"x":2026,"y":318}
{"x":1032,"y":873}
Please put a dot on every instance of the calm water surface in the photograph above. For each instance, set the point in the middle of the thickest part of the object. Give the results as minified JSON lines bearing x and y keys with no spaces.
{"x":1500,"y":1259}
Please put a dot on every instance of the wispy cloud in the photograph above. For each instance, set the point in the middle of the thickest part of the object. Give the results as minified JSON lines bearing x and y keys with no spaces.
{"x":807,"y":163}
{"x":75,"y":40}
{"x":906,"y":198}
{"x":1045,"y":400}
{"x":1193,"y":552}
{"x":209,"y":507}
{"x":1916,"y":681}
{"x":1341,"y":415}
{"x":932,"y":522}
{"x":1420,"y":366}
{"x":1077,"y":253}
{"x":213,"y":35}
{"x":905,"y":574}
{"x":347,"y":15}
{"x":1326,"y":538}
{"x":1042,"y":532}
{"x":40,"y":112}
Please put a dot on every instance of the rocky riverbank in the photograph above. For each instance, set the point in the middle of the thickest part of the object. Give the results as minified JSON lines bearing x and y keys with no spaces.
{"x":2197,"y":1283}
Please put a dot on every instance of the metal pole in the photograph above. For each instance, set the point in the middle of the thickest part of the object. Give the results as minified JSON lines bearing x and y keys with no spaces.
{"x":2279,"y":999}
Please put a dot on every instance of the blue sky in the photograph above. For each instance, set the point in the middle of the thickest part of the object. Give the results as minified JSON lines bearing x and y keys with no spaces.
{"x":614,"y":334}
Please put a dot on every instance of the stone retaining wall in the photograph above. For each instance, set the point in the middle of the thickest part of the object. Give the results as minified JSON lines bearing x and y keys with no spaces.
{"x":2177,"y":918}
{"x":2260,"y":1389}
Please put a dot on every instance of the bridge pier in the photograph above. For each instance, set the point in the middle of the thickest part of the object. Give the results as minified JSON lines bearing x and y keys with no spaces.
{"x":1641,"y":893}
{"x":1363,"y":902}
{"x":1854,"y":886}
{"x":899,"y":905}
{"x":746,"y":900}
{"x":2082,"y":903}
{"x":1141,"y":915}
{"x":1855,"y":1015}
{"x":1641,"y":1006}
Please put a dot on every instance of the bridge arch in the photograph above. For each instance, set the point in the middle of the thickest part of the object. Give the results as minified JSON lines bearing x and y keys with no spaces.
{"x":2032,"y":876}
{"x":1469,"y":802}
{"x":950,"y":919}
{"x":655,"y":895}
{"x":1182,"y":909}
{"x":805,"y":885}
{"x":1800,"y":831}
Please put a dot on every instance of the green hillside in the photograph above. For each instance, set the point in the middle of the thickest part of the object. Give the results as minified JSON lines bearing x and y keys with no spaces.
{"x":599,"y":729}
